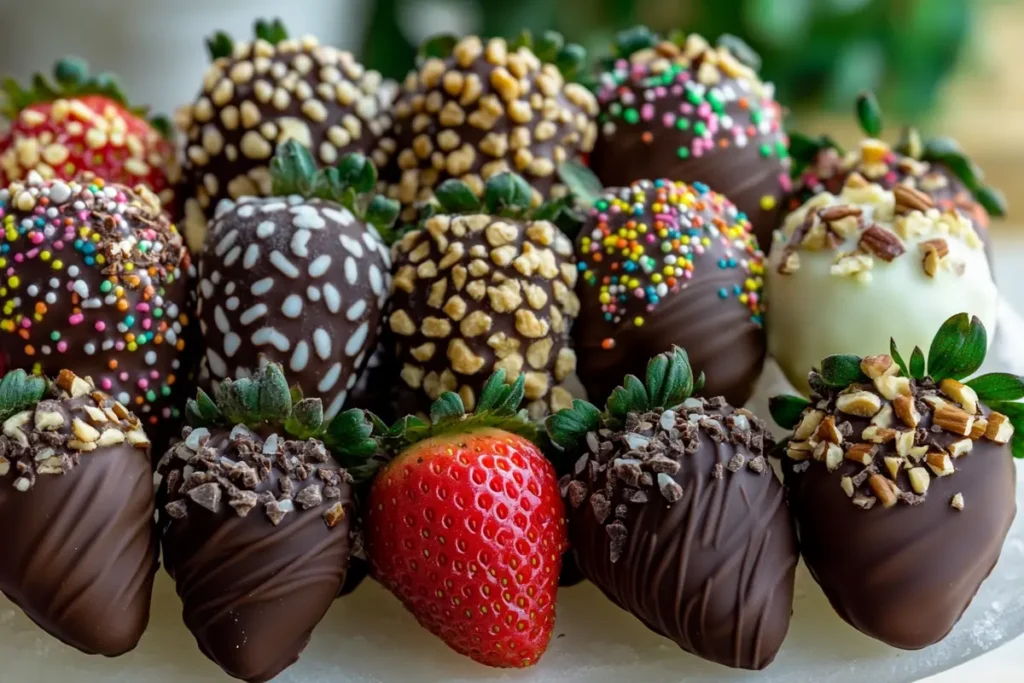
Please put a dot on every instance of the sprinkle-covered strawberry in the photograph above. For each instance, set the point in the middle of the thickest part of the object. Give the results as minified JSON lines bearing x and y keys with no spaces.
{"x":84,"y":123}
{"x":76,"y":499}
{"x":300,"y":278}
{"x":675,"y":514}
{"x":466,"y":527}
{"x":255,"y":520}
{"x":902,"y":482}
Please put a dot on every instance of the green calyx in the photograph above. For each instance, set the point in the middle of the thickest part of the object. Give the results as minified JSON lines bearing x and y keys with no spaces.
{"x":549,"y":47}
{"x":505,"y":194}
{"x":71,"y":78}
{"x":497,"y":408}
{"x":957,"y":351}
{"x":939,"y":150}
{"x":220,"y":44}
{"x":264,"y":400}
{"x":20,"y":391}
{"x":351,"y":183}
{"x":669,"y":382}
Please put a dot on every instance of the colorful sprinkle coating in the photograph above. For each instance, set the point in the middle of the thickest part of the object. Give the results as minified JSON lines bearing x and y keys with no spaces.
{"x":706,"y":103}
{"x":648,"y":240}
{"x":95,"y":271}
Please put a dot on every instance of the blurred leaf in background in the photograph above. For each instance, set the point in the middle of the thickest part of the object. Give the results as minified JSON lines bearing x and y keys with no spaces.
{"x":819,"y":53}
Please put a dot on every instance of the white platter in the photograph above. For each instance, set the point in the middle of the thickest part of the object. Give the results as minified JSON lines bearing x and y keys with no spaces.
{"x":368,"y":638}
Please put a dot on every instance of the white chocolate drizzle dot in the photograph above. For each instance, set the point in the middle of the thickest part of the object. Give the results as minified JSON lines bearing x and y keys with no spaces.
{"x":265,"y":229}
{"x":356,"y":310}
{"x":330,"y":379}
{"x":281,"y":262}
{"x":319,"y":265}
{"x":356,"y":341}
{"x":352,"y":246}
{"x":206,"y":288}
{"x":376,"y":281}
{"x":252,"y":255}
{"x":233,"y":303}
{"x":261,"y":287}
{"x":343,"y":216}
{"x":308,"y":218}
{"x":253,"y":314}
{"x":269,"y":335}
{"x":300,"y":242}
{"x":336,"y":404}
{"x":226,"y":243}
{"x":332,"y":298}
{"x":221,"y":320}
{"x":233,"y":255}
{"x":313,"y":294}
{"x":322,"y":343}
{"x":292,"y":306}
{"x":231,"y":344}
{"x":300,"y":357}
{"x":351,"y":271}
{"x":217,"y":365}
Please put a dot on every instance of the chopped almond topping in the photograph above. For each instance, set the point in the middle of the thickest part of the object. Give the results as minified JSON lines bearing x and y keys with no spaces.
{"x":904,"y":442}
{"x":961,"y":447}
{"x":979,"y":427}
{"x":860,"y":403}
{"x":877,"y":366}
{"x":798,"y":450}
{"x":808,"y":425}
{"x":890,"y":387}
{"x":958,"y":501}
{"x":940,"y":463}
{"x":961,"y":393}
{"x":862,"y":453}
{"x":827,"y":430}
{"x":884,"y":418}
{"x":848,"y":487}
{"x":919,"y":480}
{"x":906,"y":411}
{"x":955,"y":420}
{"x":1000,"y":429}
{"x":894,"y":465}
{"x":876,"y":434}
{"x":886,"y":491}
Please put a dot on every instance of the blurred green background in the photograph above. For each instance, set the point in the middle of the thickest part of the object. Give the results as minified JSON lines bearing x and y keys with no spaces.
{"x":819,"y":53}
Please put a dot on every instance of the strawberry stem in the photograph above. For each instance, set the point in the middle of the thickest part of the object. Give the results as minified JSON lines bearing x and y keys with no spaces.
{"x":20,"y":391}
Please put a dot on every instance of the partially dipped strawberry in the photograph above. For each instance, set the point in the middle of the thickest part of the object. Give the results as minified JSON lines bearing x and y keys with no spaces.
{"x":76,"y":500}
{"x":466,"y":527}
{"x":84,"y":123}
{"x":901,"y":479}
{"x":255,"y":519}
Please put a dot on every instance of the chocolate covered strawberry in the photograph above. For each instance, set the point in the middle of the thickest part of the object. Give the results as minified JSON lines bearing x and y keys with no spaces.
{"x":675,"y":515}
{"x":76,"y":500}
{"x":255,"y":517}
{"x":466,"y":527}
{"x":902,"y":482}
{"x":84,"y":123}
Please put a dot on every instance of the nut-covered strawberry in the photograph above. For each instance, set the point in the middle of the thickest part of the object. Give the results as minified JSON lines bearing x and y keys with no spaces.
{"x":902,"y":481}
{"x":675,"y":514}
{"x":484,"y":286}
{"x":300,"y":278}
{"x":935,"y":166}
{"x":259,"y":93}
{"x":255,"y":520}
{"x":84,"y":123}
{"x":465,"y":526}
{"x":479,"y":107}
{"x":76,"y":497}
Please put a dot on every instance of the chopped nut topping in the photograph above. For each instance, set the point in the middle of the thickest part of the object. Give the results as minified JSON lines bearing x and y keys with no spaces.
{"x":919,"y":480}
{"x":878,"y":366}
{"x":860,"y":403}
{"x":953,"y":419}
{"x":911,"y":199}
{"x":906,"y":410}
{"x":999,"y":429}
{"x":808,"y":425}
{"x":894,"y":465}
{"x":958,"y":501}
{"x":904,"y":442}
{"x":847,"y":485}
{"x":862,"y":453}
{"x":884,"y":417}
{"x":881,"y":243}
{"x":934,"y":252}
{"x":961,"y":447}
{"x":827,"y":431}
{"x":940,"y":463}
{"x":961,"y":393}
{"x":890,"y":386}
{"x":876,"y":434}
{"x":886,"y":491}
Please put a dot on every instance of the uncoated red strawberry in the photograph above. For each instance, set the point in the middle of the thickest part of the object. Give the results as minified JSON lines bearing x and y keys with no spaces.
{"x":83,"y":124}
{"x":468,"y":531}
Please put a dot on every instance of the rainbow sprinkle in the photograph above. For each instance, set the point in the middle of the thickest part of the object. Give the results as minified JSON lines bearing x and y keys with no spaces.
{"x":653,"y":238}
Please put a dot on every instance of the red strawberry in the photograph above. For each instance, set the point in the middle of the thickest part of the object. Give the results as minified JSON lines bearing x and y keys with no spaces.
{"x":467,"y":528}
{"x":83,"y":124}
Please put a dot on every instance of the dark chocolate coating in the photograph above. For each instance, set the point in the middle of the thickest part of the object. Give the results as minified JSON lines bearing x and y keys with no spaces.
{"x":506,"y":303}
{"x":253,"y":592}
{"x":723,"y":337}
{"x":262,"y":96}
{"x":713,"y":571}
{"x":80,"y":549}
{"x":626,"y":151}
{"x":299,"y":282}
{"x":904,"y":575}
{"x":98,"y":330}
{"x":554,"y":122}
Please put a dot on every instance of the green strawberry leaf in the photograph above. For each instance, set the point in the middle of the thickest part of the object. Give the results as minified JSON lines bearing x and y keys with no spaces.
{"x":275,"y":398}
{"x":992,"y":200}
{"x":440,"y":46}
{"x":548,"y":46}
{"x":631,"y":397}
{"x":568,"y":428}
{"x":20,"y":391}
{"x":382,"y":214}
{"x":787,"y":410}
{"x":448,"y":407}
{"x":842,"y":370}
{"x":897,"y":358}
{"x":869,"y":114}
{"x":306,"y":419}
{"x":71,"y":72}
{"x":349,"y":437}
{"x":358,"y":172}
{"x":292,"y":170}
{"x":958,"y":348}
{"x":220,"y":45}
{"x":669,"y":379}
{"x":917,"y":364}
{"x":456,"y":197}
{"x":633,"y":40}
{"x":271,"y":31}
{"x":582,"y":183}
{"x":997,"y":386}
{"x":507,"y":194}
{"x":571,"y":61}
